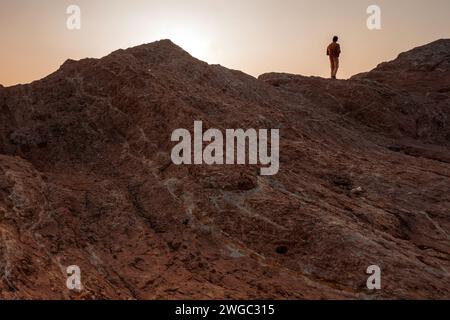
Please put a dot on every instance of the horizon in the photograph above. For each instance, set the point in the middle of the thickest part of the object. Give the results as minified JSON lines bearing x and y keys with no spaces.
{"x":255,"y":76}
{"x":256,"y":37}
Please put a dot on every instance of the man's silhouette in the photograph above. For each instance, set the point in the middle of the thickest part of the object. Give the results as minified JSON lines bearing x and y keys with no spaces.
{"x":334,"y":51}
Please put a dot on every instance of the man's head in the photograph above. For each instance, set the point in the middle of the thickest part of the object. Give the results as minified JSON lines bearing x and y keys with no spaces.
{"x":335,"y":39}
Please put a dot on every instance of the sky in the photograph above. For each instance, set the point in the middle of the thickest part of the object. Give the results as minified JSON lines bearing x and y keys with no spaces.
{"x":255,"y":36}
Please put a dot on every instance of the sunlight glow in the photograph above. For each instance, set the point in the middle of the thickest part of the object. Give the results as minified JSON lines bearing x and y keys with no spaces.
{"x":196,"y":43}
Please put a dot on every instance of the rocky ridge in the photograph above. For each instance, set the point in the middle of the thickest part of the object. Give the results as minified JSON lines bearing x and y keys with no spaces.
{"x":86,"y":179}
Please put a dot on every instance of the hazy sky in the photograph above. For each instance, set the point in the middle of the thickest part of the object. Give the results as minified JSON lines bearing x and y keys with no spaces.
{"x":254,"y":36}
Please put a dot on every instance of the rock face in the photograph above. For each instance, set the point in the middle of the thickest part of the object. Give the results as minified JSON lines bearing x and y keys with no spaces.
{"x":86,"y":179}
{"x":425,"y":69}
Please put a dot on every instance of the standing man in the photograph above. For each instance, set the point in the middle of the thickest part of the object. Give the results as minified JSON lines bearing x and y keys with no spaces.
{"x":334,"y":51}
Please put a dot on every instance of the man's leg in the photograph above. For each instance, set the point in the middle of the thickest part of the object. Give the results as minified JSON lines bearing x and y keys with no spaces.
{"x":336,"y":66}
{"x":332,"y":66}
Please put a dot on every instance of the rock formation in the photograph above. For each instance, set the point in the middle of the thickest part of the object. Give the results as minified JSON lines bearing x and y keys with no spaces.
{"x":86,"y":179}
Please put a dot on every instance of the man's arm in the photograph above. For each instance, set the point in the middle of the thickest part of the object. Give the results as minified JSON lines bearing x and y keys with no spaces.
{"x":339,"y":48}
{"x":328,"y":50}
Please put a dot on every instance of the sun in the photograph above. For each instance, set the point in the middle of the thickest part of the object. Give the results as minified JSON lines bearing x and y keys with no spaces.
{"x":193,"y":42}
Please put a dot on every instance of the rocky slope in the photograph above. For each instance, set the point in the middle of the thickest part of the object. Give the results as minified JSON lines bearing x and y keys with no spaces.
{"x":86,"y":179}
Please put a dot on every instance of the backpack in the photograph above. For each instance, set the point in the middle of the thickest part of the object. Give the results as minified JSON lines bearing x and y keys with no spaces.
{"x":333,"y":50}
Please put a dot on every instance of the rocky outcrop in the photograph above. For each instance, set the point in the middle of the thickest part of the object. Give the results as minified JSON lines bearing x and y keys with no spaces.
{"x":425,"y":69}
{"x":86,"y":179}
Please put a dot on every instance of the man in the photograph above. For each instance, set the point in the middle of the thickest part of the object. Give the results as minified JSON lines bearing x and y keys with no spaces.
{"x":334,"y":51}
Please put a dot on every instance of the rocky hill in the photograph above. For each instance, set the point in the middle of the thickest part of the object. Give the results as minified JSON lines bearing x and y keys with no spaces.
{"x":86,"y":179}
{"x":424,"y":69}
